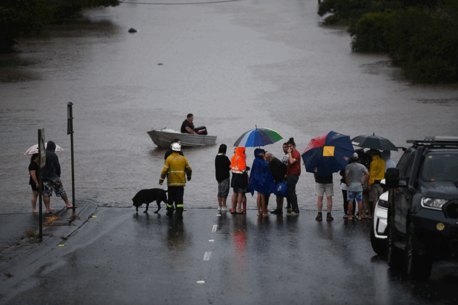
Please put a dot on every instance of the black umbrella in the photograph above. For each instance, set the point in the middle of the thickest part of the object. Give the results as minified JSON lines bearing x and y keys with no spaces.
{"x":374,"y":142}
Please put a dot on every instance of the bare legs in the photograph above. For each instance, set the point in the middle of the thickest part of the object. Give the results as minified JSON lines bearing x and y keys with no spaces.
{"x":362,"y":213}
{"x":222,"y":203}
{"x":238,"y":201}
{"x":47,"y":199}
{"x":34,"y":201}
{"x":319,"y":204}
{"x":262,"y":207}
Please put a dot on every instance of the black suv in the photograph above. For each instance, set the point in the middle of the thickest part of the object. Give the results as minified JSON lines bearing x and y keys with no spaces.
{"x":423,"y":206}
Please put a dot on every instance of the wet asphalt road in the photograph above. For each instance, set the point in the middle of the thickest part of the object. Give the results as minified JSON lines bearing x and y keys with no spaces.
{"x":118,"y":257}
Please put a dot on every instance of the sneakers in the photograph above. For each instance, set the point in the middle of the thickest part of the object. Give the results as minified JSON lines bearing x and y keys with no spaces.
{"x":293,"y":213}
{"x":329,"y":217}
{"x":319,"y":217}
{"x":277,"y":212}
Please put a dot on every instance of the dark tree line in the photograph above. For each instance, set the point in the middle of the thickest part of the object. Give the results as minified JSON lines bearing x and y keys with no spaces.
{"x":421,"y":36}
{"x":19,"y":18}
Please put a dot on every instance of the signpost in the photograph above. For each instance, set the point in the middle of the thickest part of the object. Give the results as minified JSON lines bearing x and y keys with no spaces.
{"x":42,"y":162}
{"x":70,"y":132}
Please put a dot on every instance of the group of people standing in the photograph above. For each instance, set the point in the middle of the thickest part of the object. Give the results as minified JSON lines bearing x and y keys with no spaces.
{"x":268,"y":175}
{"x":360,"y":184}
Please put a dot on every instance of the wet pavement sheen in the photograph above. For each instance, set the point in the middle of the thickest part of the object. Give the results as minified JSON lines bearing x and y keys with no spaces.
{"x":123,"y":258}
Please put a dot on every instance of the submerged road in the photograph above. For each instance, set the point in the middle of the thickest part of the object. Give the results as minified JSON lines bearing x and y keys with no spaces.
{"x":119,"y":257}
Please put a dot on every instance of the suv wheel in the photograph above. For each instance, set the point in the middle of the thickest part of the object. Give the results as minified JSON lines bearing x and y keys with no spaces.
{"x":395,"y":255}
{"x":378,"y":245}
{"x":418,"y":264}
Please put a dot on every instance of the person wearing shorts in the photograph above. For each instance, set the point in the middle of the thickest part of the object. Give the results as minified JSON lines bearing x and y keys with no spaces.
{"x":55,"y":186}
{"x":358,"y":198}
{"x":324,"y":185}
{"x":356,"y":175}
{"x":222,"y":172}
{"x":51,"y":178}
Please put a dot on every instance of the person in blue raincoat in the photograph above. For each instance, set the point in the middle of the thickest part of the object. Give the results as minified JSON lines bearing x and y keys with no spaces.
{"x":261,"y":180}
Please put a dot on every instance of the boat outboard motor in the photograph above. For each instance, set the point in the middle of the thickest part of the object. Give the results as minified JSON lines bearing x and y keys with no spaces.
{"x":202,"y":130}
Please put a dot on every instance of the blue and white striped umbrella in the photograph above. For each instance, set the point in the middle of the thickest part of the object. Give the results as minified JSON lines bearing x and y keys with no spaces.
{"x":258,"y":137}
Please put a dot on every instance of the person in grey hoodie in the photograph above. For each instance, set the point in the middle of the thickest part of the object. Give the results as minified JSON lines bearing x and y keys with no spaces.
{"x":51,"y":178}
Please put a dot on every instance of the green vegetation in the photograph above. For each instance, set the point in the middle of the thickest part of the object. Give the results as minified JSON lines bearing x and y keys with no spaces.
{"x":25,"y":17}
{"x":420,"y":36}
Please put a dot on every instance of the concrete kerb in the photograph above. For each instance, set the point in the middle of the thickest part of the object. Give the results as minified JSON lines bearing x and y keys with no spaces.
{"x":60,"y":228}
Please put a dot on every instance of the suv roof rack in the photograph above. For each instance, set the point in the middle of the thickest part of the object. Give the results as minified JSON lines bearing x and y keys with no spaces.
{"x":436,"y":141}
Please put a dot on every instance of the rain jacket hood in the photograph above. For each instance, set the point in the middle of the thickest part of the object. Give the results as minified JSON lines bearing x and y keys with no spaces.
{"x":51,"y":146}
{"x":258,"y":152}
{"x":238,"y":161}
{"x":261,"y":179}
{"x":51,"y":171}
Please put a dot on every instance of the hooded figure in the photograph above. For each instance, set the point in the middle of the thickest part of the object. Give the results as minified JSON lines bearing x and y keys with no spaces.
{"x":261,"y":179}
{"x":51,"y":178}
{"x":238,"y":161}
{"x":51,"y":171}
{"x":239,"y":180}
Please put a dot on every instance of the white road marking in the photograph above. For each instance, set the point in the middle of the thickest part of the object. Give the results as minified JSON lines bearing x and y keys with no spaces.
{"x":207,"y":255}
{"x":200,"y":282}
{"x":211,"y":240}
{"x":215,"y":227}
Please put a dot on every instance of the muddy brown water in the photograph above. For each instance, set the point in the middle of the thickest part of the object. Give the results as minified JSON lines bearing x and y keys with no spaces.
{"x":234,"y":64}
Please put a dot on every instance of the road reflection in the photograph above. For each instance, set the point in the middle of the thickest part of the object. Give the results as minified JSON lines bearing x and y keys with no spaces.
{"x":176,"y":236}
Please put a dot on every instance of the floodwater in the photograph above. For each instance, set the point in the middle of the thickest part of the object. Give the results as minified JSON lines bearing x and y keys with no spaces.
{"x":234,"y":64}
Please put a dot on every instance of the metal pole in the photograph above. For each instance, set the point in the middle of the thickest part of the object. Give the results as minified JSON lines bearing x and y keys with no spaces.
{"x":40,"y":187}
{"x":70,"y":132}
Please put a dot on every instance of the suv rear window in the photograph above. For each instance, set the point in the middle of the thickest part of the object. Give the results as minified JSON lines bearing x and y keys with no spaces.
{"x":440,"y":166}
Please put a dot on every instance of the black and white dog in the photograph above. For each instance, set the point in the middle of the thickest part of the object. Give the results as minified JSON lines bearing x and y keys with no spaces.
{"x":149,"y":195}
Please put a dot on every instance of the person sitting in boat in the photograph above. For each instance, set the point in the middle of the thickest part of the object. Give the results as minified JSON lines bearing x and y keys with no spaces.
{"x":188,"y":126}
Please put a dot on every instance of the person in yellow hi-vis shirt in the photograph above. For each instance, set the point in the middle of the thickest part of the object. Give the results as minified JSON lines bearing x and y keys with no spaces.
{"x":376,"y":174}
{"x":176,"y":169}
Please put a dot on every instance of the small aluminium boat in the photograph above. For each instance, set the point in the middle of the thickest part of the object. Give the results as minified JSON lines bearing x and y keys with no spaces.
{"x":163,"y":138}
